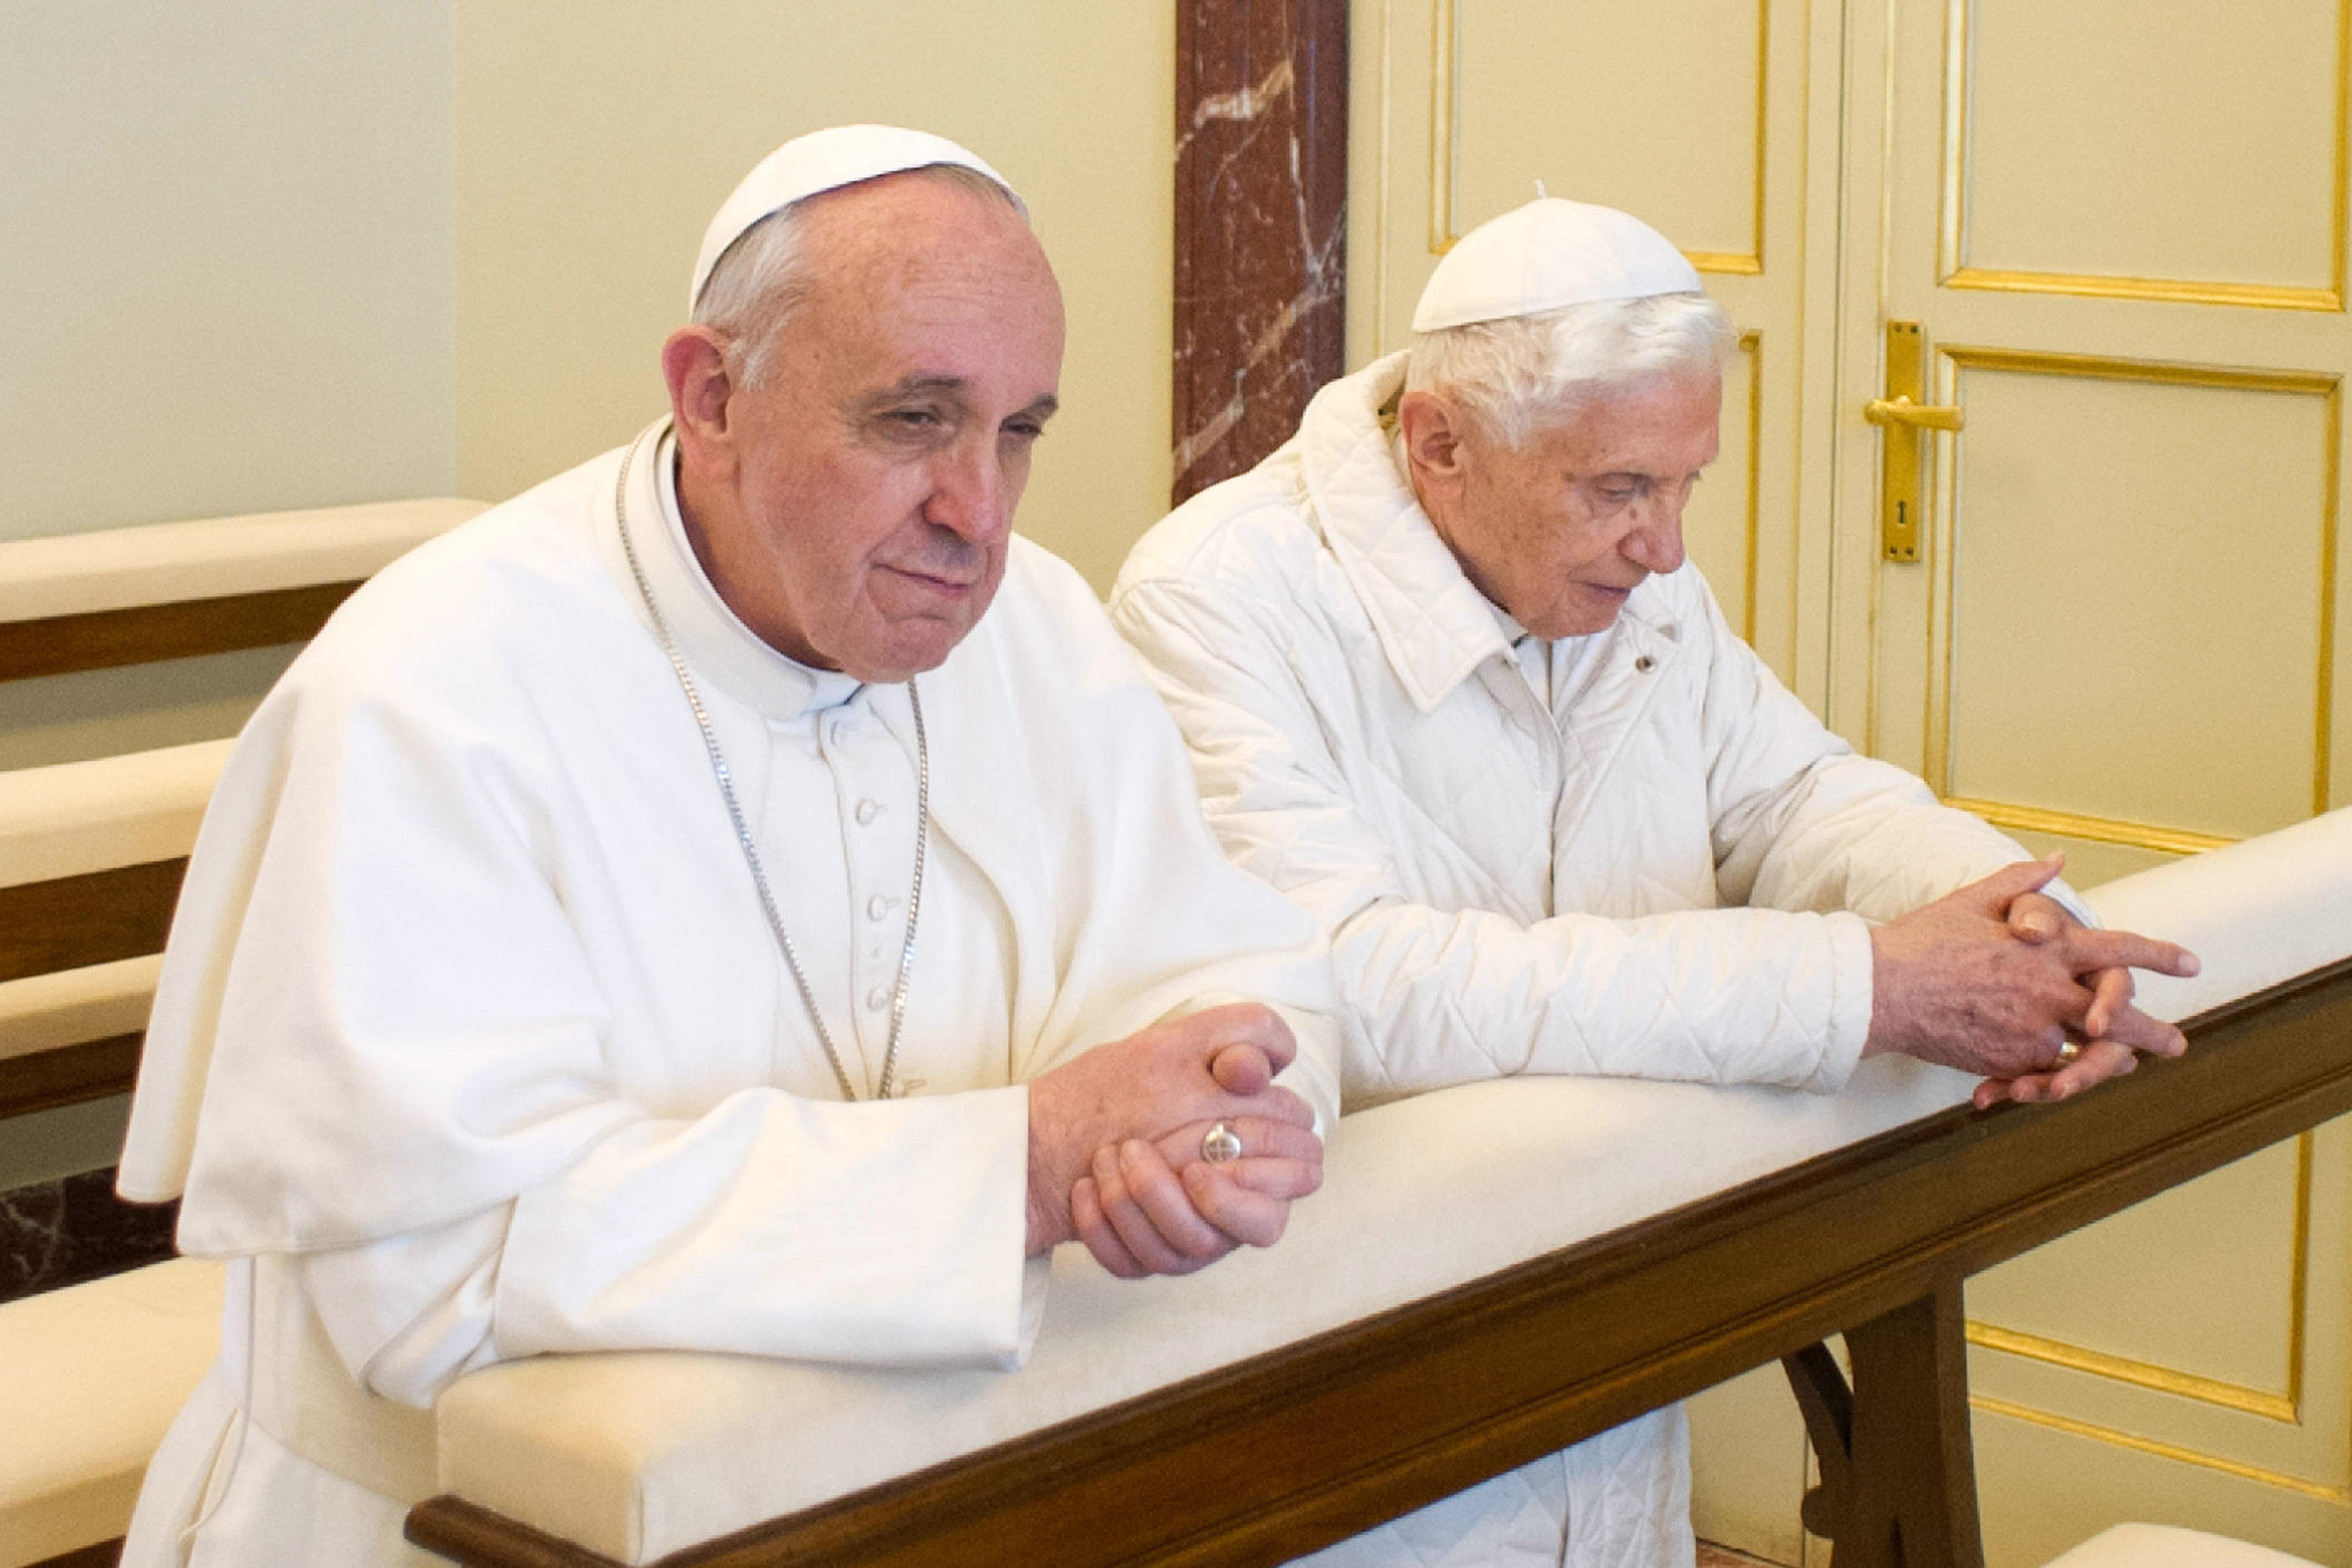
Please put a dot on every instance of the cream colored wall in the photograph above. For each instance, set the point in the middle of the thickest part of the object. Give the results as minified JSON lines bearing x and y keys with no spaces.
{"x":595,"y":138}
{"x":226,"y":285}
{"x":225,"y":259}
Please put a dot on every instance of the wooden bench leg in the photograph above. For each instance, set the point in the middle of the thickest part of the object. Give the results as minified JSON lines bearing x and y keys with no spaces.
{"x":1899,"y":1471}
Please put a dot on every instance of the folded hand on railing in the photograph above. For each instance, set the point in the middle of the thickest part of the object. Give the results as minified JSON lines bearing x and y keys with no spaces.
{"x":1998,"y":979}
{"x":1116,"y":1144}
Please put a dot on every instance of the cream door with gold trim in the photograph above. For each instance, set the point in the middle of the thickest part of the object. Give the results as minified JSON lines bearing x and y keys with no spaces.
{"x":2120,"y":225}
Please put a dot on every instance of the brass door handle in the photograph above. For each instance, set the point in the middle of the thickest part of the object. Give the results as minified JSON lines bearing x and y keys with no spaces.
{"x":1906,"y":420}
{"x":1900,"y":410}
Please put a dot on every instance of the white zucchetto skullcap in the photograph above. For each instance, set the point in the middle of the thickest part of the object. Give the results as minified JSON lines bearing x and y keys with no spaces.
{"x":1547,"y":254}
{"x":826,"y":160}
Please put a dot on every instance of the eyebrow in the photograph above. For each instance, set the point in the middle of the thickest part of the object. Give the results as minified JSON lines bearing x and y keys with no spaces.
{"x":951,"y":386}
{"x":919,"y":386}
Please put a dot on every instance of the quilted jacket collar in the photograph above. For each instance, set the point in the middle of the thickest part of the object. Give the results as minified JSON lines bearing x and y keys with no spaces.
{"x":1433,"y":623}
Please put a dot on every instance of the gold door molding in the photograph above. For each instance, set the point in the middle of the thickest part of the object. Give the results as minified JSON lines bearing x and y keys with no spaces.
{"x":1446,"y":138}
{"x":2117,"y":1437}
{"x":1710,"y":542}
{"x":1954,"y":270}
{"x":1752,"y":344}
{"x":2284,"y":1404}
{"x":1942,"y":610}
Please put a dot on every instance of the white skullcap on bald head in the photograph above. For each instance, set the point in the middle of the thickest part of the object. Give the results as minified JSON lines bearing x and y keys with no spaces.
{"x":1548,"y":254}
{"x":826,"y":161}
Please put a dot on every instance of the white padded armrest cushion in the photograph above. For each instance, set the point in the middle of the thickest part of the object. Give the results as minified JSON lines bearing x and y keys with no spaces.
{"x":168,"y":563}
{"x":92,"y":1375}
{"x":70,"y":818}
{"x":634,"y":1456}
{"x":42,"y":1012}
{"x":2162,"y":1546}
{"x":2255,"y":913}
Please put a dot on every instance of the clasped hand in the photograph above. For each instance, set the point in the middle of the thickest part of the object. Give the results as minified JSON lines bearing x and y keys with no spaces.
{"x":1114,"y":1143}
{"x":1997,"y":977}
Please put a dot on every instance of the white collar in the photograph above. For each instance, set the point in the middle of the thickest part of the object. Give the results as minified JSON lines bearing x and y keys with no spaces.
{"x":1434,"y":623}
{"x":711,"y":639}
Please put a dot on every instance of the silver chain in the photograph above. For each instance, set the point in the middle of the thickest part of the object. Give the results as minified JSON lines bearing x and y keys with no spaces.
{"x":743,"y":831}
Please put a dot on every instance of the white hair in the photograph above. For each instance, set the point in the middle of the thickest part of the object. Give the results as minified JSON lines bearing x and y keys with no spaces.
{"x":1520,"y":375}
{"x":763,"y":277}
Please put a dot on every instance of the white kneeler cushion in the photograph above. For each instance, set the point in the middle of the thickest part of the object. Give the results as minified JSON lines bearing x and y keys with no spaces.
{"x":2163,"y":1546}
{"x":92,"y":1375}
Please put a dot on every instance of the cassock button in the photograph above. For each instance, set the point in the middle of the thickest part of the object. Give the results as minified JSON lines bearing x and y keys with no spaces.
{"x":877,"y":999}
{"x":877,"y":907}
{"x":1645,"y":664}
{"x":867,"y":810}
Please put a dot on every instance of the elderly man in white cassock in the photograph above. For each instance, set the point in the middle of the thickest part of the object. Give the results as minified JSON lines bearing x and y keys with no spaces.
{"x":733,"y":897}
{"x":1449,"y":681}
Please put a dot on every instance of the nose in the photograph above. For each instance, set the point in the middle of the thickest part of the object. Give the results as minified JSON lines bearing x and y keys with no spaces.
{"x":970,"y":496}
{"x":1655,"y":541}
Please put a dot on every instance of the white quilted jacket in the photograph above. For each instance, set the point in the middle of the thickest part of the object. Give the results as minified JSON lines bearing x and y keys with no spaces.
{"x":1667,"y":872}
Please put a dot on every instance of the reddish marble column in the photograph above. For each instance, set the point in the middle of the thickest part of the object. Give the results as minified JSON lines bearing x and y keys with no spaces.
{"x":1261,"y":224}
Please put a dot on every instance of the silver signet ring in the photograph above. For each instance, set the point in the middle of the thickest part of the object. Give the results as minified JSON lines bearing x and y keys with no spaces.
{"x":1220,"y":1143}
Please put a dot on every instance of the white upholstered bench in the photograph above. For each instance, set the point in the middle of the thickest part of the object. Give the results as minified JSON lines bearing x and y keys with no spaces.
{"x":91,"y":852}
{"x":2162,"y":1546}
{"x":89,"y":1377}
{"x":90,"y":859}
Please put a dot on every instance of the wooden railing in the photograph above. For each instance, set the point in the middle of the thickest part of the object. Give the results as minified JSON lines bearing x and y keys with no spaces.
{"x":1260,"y":1461}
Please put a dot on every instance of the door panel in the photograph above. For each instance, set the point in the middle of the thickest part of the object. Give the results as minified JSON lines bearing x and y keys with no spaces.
{"x":2162,"y":148}
{"x":2162,"y":534}
{"x":2120,"y":227}
{"x":1546,"y":86}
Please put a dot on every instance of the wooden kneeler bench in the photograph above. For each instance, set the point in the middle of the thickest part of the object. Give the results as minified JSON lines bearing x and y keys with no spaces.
{"x":90,"y":1376}
{"x":91,"y":855}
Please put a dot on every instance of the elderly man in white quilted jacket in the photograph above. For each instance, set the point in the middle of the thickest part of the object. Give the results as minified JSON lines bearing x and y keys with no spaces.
{"x":1450,"y":682}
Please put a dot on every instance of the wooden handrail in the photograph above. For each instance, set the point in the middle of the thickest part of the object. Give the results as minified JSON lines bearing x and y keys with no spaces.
{"x":98,"y":917}
{"x":1258,"y":1462}
{"x":145,"y":633}
{"x":64,"y":923}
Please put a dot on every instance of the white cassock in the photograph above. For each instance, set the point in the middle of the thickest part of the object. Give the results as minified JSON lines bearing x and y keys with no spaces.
{"x":472,"y":1042}
{"x":1527,"y":854}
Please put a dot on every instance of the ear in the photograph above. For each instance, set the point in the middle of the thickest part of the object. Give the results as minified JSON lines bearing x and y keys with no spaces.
{"x":701,"y":394}
{"x":1434,"y":427}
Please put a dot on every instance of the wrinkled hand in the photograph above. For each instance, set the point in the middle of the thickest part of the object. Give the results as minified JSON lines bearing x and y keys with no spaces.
{"x":1158,"y":1091}
{"x":2113,"y":1033}
{"x":1996,"y":977}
